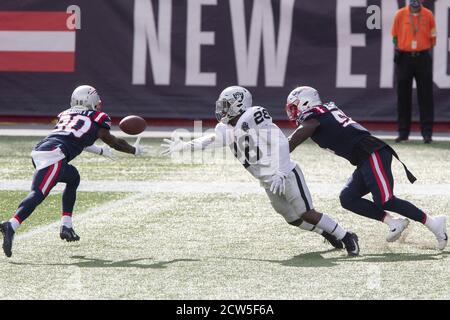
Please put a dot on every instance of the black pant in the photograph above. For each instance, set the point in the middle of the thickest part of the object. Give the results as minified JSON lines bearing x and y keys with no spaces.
{"x":43,"y":181}
{"x":419,"y":67}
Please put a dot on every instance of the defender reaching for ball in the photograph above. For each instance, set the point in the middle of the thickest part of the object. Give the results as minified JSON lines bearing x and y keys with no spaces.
{"x":331,"y":129}
{"x":263,"y":150}
{"x":77,"y":129}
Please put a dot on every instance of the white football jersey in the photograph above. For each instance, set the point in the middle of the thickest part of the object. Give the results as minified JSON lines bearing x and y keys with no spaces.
{"x":260,"y":146}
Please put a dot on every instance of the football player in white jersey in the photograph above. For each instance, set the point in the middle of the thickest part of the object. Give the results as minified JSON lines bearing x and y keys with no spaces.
{"x":263,"y":150}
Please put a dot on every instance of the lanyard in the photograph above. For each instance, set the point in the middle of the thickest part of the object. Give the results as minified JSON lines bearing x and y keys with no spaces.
{"x":415,"y":28}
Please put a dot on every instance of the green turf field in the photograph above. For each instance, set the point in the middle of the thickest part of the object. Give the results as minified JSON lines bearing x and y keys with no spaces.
{"x":206,"y":231}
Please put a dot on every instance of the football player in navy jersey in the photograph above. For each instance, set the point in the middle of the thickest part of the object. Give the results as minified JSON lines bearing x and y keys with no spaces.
{"x":76,"y":130}
{"x":331,"y":129}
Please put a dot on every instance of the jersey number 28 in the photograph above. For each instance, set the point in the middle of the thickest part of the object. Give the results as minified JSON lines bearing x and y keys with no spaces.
{"x":260,"y":115}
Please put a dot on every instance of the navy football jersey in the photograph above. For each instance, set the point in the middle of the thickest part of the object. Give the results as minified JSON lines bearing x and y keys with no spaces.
{"x":340,"y":134}
{"x":75,"y":130}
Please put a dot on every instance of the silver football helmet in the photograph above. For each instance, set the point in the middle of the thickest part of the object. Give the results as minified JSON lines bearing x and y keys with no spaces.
{"x":86,"y":97}
{"x":300,"y":100}
{"x":232,"y":102}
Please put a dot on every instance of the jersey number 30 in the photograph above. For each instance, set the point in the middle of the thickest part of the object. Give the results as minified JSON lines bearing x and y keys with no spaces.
{"x":77,"y":125}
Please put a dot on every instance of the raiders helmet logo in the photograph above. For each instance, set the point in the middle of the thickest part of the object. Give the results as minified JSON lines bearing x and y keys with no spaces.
{"x":239,"y":96}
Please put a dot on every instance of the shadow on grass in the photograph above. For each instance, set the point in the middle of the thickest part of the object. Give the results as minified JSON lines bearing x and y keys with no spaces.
{"x":316,"y":259}
{"x":84,"y":262}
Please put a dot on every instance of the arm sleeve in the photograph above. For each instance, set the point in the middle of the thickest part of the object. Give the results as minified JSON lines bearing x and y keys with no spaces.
{"x":202,"y":143}
{"x":102,"y":119}
{"x":94,"y":149}
{"x":215,"y":140}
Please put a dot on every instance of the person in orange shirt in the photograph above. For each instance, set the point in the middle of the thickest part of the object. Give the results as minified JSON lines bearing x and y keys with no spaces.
{"x":414,"y":34}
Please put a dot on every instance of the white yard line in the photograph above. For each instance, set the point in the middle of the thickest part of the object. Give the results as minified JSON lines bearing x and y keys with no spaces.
{"x":106,"y":207}
{"x":160,"y":133}
{"x":237,"y":188}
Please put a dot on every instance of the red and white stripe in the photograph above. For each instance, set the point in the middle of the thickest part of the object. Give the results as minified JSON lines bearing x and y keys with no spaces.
{"x":50,"y":178}
{"x":100,"y":117}
{"x":381,"y":177}
{"x":36,"y":41}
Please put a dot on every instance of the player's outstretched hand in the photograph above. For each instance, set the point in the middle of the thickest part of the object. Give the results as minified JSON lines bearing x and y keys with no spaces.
{"x":107,"y":153}
{"x":172,"y":146}
{"x":278,"y":185}
{"x":139,"y":150}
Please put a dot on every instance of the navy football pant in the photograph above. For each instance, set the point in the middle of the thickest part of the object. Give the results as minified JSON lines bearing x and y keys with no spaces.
{"x":375,"y":176}
{"x":43,"y":181}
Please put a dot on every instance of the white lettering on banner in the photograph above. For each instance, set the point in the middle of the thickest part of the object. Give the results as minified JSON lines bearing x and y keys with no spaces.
{"x":247,"y":53}
{"x":158,"y":42}
{"x":441,"y":77}
{"x":345,"y":41}
{"x":374,"y":20}
{"x":194,"y":40}
{"x":259,"y":35}
{"x":389,"y":9}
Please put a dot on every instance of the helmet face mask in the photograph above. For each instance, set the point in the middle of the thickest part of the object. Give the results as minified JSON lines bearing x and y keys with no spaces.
{"x":292,"y":111}
{"x":301,"y":100}
{"x":222,"y":109}
{"x":232,"y":102}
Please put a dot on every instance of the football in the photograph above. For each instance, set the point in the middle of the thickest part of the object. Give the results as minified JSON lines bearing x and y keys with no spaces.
{"x":132,"y":125}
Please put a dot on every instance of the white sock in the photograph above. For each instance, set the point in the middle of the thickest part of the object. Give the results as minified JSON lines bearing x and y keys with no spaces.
{"x":310,"y":227}
{"x":388,"y":219}
{"x":66,"y":221}
{"x":332,"y":227}
{"x":430,"y":223}
{"x":14,"y":223}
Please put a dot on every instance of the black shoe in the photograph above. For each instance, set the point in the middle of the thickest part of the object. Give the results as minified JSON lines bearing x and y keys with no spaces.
{"x":8,"y":236}
{"x":68,"y":234}
{"x":351,"y":244}
{"x":332,"y":240}
{"x":427,"y":140}
{"x":401,"y":139}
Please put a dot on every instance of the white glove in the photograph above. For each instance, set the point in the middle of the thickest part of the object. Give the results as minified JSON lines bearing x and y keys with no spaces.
{"x":278,"y":183}
{"x":139,"y":150}
{"x":172,"y":146}
{"x":106,"y":152}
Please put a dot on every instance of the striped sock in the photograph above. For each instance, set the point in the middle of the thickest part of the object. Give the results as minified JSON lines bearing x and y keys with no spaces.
{"x":332,"y":227}
{"x":15,"y":223}
{"x":309,"y":227}
{"x":66,"y":220}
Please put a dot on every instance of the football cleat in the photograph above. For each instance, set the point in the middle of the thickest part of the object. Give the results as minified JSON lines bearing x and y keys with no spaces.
{"x":351,"y":244}
{"x":332,"y":240}
{"x":68,"y":234}
{"x":440,"y":231}
{"x":8,"y":236}
{"x":396,"y":227}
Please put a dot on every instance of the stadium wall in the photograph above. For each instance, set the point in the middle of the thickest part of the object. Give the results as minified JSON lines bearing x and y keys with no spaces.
{"x":169,"y":59}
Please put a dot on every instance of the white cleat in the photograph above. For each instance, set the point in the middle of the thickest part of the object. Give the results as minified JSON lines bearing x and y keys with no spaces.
{"x":396,"y":227}
{"x":441,"y":231}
